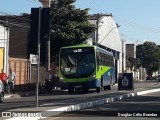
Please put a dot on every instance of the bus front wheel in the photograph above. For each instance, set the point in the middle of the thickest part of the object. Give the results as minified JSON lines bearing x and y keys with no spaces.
{"x":98,"y":89}
{"x":70,"y":90}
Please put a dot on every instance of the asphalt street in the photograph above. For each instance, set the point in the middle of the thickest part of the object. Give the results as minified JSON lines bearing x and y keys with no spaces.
{"x":59,"y":99}
{"x":144,"y":107}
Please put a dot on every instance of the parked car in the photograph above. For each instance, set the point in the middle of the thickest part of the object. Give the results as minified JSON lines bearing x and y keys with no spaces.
{"x":1,"y":92}
{"x":158,"y":78}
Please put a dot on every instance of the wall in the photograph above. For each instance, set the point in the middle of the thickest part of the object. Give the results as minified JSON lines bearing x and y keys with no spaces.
{"x":21,"y":68}
{"x":108,"y":36}
{"x":18,"y":44}
{"x":26,"y":74}
{"x":3,"y":48}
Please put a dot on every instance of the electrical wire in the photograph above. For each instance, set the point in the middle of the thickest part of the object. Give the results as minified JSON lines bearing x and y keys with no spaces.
{"x":138,"y":26}
{"x":98,"y":6}
{"x":58,"y":11}
{"x":17,"y":25}
{"x":86,"y":4}
{"x":126,"y":22}
{"x":130,"y":23}
{"x":131,"y":39}
{"x":25,"y":18}
{"x":34,"y":1}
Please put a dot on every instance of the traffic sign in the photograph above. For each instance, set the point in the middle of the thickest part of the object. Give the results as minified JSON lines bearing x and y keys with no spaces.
{"x":125,"y":81}
{"x":33,"y":59}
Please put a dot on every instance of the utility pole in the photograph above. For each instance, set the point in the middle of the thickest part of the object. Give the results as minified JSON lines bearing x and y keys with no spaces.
{"x":7,"y":45}
{"x":46,"y":3}
{"x":141,"y":71}
{"x":97,"y":31}
{"x":122,"y":55}
{"x":38,"y":53}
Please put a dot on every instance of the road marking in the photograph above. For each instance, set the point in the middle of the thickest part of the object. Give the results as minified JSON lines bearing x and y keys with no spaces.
{"x":58,"y":111}
{"x":148,"y":91}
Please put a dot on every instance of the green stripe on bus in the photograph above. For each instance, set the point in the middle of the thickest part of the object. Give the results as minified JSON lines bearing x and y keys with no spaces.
{"x":101,"y":71}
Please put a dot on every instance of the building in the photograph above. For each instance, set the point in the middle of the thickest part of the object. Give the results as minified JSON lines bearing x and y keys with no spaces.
{"x":107,"y":36}
{"x":14,"y":50}
{"x":4,"y":40}
{"x":131,"y":50}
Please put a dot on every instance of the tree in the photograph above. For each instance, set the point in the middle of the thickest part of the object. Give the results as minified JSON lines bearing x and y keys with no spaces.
{"x":130,"y":62}
{"x":157,"y":59}
{"x":148,"y":53}
{"x":69,"y":26}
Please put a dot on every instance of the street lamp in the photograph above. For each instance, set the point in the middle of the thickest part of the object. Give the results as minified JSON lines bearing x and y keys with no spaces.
{"x":117,"y":26}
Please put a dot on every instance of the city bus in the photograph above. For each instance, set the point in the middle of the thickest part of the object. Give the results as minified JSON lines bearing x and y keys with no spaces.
{"x":86,"y":67}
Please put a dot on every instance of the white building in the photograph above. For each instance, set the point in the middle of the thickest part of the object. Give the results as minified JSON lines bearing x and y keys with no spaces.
{"x":4,"y":38}
{"x":107,"y":36}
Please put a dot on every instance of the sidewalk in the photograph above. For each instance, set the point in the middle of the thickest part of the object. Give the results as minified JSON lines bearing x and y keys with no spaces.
{"x":18,"y":94}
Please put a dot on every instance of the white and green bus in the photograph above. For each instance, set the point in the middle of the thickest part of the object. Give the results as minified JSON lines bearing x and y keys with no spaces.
{"x":87,"y":67}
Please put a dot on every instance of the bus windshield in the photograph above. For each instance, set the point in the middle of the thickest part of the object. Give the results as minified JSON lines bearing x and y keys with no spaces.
{"x":77,"y":62}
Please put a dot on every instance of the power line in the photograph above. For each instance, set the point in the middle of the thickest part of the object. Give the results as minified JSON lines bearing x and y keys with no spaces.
{"x":99,"y":6}
{"x":86,"y":3}
{"x":138,"y":26}
{"x":131,"y":39}
{"x":129,"y":23}
{"x":17,"y":25}
{"x":23,"y":17}
{"x":58,"y":11}
{"x":34,"y":1}
{"x":5,"y":12}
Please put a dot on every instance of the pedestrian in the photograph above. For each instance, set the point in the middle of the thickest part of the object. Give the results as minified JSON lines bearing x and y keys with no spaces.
{"x":11,"y":80}
{"x":3,"y":78}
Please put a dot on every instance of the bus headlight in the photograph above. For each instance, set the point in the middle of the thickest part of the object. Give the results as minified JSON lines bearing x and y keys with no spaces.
{"x":61,"y":79}
{"x":94,"y":76}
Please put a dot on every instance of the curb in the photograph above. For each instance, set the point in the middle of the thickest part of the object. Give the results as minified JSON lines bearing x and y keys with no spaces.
{"x":18,"y":95}
{"x":58,"y":111}
{"x":12,"y":96}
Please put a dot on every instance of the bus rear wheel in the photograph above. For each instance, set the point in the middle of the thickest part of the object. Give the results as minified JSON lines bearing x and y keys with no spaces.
{"x":109,"y":87}
{"x":84,"y":90}
{"x":105,"y":88}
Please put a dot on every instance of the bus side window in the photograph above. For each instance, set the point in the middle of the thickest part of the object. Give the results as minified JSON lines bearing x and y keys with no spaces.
{"x":108,"y":64}
{"x":105,"y":59}
{"x":110,"y":61}
{"x":98,"y":59}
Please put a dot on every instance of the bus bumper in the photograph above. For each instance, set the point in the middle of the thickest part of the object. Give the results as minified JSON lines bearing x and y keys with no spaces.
{"x":89,"y":84}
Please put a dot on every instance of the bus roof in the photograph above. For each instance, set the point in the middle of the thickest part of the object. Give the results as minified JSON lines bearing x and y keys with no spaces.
{"x":80,"y":45}
{"x":86,"y":45}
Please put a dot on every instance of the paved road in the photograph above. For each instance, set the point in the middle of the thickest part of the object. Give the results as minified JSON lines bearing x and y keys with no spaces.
{"x":61,"y":98}
{"x":60,"y":101}
{"x":137,"y":106}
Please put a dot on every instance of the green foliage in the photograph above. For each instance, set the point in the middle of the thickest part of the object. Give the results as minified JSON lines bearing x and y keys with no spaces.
{"x":69,"y":26}
{"x":130,"y":62}
{"x":149,"y":55}
{"x":133,"y":63}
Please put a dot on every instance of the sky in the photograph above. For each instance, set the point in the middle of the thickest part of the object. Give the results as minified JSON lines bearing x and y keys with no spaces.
{"x":139,"y":19}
